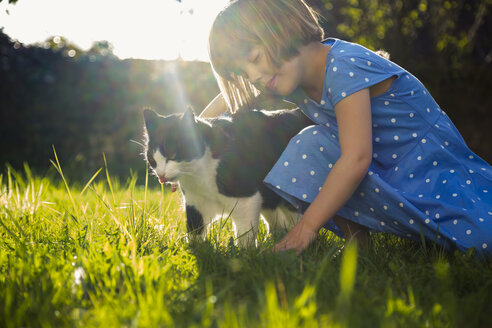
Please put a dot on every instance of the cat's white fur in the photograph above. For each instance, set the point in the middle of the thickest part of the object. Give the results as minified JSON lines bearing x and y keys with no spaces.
{"x":197,"y":179}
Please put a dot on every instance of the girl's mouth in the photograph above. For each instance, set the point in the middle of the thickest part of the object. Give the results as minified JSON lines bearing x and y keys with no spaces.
{"x":271,"y":84}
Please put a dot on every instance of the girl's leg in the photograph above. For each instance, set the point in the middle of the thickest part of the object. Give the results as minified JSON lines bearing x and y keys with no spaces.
{"x":352,"y":230}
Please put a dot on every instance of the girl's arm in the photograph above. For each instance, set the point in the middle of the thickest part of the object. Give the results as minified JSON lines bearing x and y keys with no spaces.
{"x":355,"y":136}
{"x":216,"y":107}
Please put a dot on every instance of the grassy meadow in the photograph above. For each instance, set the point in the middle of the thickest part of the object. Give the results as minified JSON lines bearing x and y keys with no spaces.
{"x":114,"y":253}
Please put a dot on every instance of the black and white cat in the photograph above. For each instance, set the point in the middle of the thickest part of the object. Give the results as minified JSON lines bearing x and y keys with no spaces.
{"x":220,"y":165}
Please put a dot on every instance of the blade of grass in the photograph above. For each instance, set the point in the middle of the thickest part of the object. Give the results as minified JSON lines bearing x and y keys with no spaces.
{"x":90,"y":181}
{"x":59,"y":169}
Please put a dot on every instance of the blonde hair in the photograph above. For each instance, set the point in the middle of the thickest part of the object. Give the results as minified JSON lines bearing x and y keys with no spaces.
{"x":279,"y":26}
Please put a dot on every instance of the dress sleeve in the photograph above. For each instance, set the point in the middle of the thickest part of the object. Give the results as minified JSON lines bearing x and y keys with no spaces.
{"x":350,"y":73}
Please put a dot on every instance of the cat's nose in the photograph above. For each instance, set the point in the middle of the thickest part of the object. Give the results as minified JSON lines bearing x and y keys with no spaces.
{"x":163,"y":179}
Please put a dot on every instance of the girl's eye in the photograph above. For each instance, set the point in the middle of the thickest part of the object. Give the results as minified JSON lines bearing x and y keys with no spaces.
{"x":254,"y":56}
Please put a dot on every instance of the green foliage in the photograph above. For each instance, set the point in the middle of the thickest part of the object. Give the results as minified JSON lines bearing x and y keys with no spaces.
{"x":116,"y":254}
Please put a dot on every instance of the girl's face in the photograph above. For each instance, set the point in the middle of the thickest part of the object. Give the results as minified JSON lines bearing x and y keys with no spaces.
{"x":265,"y":76}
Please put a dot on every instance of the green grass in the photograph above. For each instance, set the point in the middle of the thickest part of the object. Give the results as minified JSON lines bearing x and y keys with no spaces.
{"x":113,"y":253}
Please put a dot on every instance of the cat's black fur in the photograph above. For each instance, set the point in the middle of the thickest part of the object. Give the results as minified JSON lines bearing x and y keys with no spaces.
{"x":241,"y":148}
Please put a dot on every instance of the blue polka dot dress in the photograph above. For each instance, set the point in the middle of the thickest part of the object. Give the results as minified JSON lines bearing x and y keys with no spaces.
{"x":423,"y":178}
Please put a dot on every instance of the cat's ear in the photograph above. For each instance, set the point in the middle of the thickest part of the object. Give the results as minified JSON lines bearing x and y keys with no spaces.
{"x":189,"y":116}
{"x":150,"y":118}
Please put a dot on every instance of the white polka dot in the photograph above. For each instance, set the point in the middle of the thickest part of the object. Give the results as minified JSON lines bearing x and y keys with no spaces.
{"x":396,"y":167}
{"x":410,"y":221}
{"x":468,"y":232}
{"x":330,"y":165}
{"x":385,"y":207}
{"x":382,"y":223}
{"x":321,"y":148}
{"x":332,"y":60}
{"x":427,"y":213}
{"x":342,"y":50}
{"x":480,"y":219}
{"x":436,"y":125}
{"x":485,"y":191}
{"x":315,"y":132}
{"x":438,"y":196}
{"x":428,"y":110}
{"x":427,"y":180}
{"x":352,"y":59}
{"x":470,"y":157}
{"x":377,"y":139}
{"x":414,"y":135}
{"x":286,"y":163}
{"x":396,"y":137}
{"x":427,"y":221}
{"x":454,"y":238}
{"x":316,"y":114}
{"x":343,"y":94}
{"x":444,"y":181}
{"x":356,"y":213}
{"x":455,"y":221}
{"x":298,"y":140}
{"x":319,"y":189}
{"x":304,"y":196}
{"x":408,"y":77}
{"x":362,"y":194}
{"x":411,"y":114}
{"x":329,"y":90}
{"x":371,"y":209}
{"x":375,"y":155}
{"x":370,"y":173}
{"x":278,"y":187}
{"x":368,"y":63}
{"x":393,"y":120}
{"x":304,"y":156}
{"x":420,"y":196}
{"x":294,"y":180}
{"x":366,"y":79}
{"x":386,"y":103}
{"x":334,"y":69}
{"x":425,"y":92}
{"x":423,"y":141}
{"x":392,"y":94}
{"x":327,"y":124}
{"x":376,"y":190}
{"x":455,"y":194}
{"x":322,"y":102}
{"x":468,"y":181}
{"x":434,"y":163}
{"x":305,"y":101}
{"x":419,"y":158}
{"x":411,"y":176}
{"x":312,"y":172}
{"x":484,"y":245}
{"x":351,"y":74}
{"x":451,"y":171}
{"x":489,"y":213}
{"x":446,"y":143}
{"x":394,"y":156}
{"x":437,"y":216}
{"x":367,"y":53}
{"x":471,"y":171}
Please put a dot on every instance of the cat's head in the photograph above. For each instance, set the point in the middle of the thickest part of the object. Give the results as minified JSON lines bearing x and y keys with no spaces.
{"x":172,"y":143}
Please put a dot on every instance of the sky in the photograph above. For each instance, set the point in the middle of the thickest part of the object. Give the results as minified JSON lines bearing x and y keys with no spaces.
{"x":147,"y":29}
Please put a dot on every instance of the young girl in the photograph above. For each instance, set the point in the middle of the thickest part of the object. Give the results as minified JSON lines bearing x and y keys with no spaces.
{"x":383,"y":156}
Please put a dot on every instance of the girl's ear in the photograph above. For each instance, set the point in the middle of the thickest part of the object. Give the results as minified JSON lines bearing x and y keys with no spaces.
{"x":189,"y":116}
{"x":150,"y":118}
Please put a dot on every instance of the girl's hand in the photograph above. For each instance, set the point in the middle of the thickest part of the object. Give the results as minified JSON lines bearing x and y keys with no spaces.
{"x":298,"y":238}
